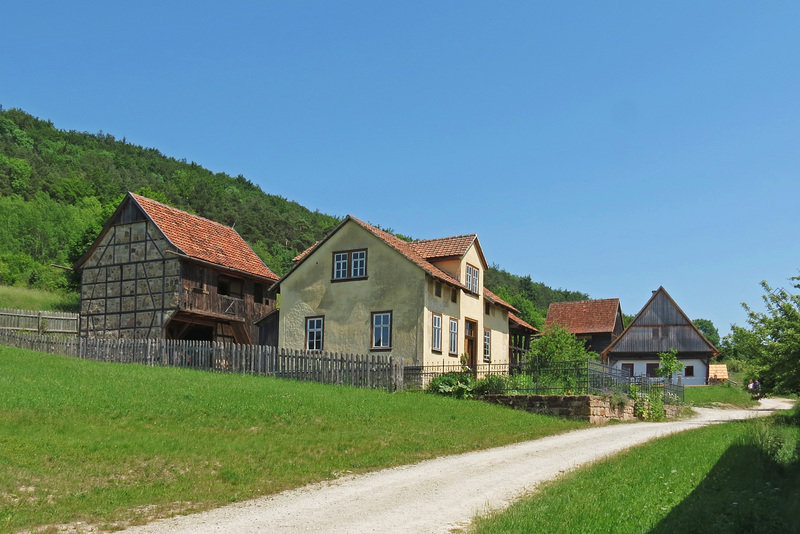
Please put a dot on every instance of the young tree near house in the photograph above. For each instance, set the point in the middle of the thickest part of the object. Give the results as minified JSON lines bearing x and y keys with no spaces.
{"x":669,"y":364}
{"x":556,"y":344}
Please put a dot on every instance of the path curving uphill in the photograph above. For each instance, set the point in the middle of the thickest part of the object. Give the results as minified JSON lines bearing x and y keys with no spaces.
{"x":437,"y":495}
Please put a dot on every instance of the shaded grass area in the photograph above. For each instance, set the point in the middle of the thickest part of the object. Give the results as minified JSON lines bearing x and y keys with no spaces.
{"x":710,"y":396}
{"x":23,"y":298}
{"x":110,"y":443}
{"x":717,"y":479}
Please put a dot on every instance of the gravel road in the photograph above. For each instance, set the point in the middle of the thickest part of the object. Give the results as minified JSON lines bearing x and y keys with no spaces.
{"x":437,"y":495}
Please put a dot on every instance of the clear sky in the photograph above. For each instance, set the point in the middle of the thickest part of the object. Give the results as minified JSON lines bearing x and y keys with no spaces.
{"x":604,"y":147}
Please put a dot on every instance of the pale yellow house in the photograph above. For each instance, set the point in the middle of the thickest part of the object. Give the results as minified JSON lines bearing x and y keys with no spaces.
{"x":363,"y":290}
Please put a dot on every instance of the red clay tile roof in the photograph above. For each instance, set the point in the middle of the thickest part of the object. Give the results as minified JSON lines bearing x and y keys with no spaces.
{"x":497,"y":301}
{"x":446,"y":247}
{"x":204,"y":239}
{"x":585,"y":316}
{"x":407,"y":249}
{"x":519,"y":323}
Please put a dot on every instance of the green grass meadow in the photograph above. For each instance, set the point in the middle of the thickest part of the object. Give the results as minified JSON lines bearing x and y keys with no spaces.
{"x":714,"y":396}
{"x":737,"y":477}
{"x":113,"y":444}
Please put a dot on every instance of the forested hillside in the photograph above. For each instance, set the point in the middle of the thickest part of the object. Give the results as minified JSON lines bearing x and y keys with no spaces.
{"x":58,"y":188}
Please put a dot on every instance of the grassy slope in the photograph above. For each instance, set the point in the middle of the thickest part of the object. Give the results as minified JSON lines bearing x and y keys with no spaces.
{"x":23,"y":298}
{"x":99,"y":442}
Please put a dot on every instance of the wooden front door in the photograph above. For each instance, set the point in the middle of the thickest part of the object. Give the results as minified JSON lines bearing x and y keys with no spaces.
{"x":470,"y":342}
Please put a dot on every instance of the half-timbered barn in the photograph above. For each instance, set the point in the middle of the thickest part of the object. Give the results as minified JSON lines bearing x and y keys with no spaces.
{"x":159,"y":272}
{"x":659,"y":327}
{"x":596,"y":322}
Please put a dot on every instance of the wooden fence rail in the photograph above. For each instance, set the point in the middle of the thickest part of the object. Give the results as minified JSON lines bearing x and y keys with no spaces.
{"x":371,"y":370}
{"x":38,"y":321}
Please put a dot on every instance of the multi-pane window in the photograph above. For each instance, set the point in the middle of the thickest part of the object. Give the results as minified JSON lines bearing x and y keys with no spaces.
{"x":453,"y":337}
{"x":689,"y":371}
{"x":436,"y":341}
{"x":359,"y":264}
{"x":349,"y":264}
{"x":340,"y":265}
{"x":382,"y":330}
{"x":487,"y":345}
{"x":652,"y":369}
{"x":473,"y":278}
{"x":314,"y":331}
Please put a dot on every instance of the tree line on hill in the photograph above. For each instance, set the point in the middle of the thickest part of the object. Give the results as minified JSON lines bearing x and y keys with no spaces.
{"x":58,"y":188}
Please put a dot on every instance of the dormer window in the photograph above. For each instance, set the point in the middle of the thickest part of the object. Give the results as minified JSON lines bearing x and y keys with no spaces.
{"x":350,"y":265}
{"x":473,"y":279}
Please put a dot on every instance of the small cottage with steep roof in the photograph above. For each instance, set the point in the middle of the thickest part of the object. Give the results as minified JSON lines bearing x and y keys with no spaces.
{"x":659,"y":327}
{"x":597,"y":322}
{"x":363,"y":290}
{"x":159,"y":272}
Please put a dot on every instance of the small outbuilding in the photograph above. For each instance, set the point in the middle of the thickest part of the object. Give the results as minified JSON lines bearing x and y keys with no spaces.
{"x":159,"y":272}
{"x":660,"y":326}
{"x":597,"y":322}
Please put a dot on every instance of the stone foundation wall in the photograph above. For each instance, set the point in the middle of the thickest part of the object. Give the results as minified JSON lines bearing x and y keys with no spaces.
{"x":593,"y":408}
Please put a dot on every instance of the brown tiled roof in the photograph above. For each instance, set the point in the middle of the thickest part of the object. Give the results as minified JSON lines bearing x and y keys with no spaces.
{"x":519,"y":323}
{"x":407,"y":249}
{"x":497,"y":301}
{"x":204,"y":239}
{"x":305,"y":253}
{"x":585,"y":316}
{"x":446,"y":247}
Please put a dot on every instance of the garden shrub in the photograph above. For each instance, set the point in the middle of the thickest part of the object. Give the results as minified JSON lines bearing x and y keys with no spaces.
{"x":458,"y":385}
{"x":491,"y":385}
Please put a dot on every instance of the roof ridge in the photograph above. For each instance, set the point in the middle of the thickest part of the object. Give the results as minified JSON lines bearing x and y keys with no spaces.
{"x":443,"y":238}
{"x":182,"y":211}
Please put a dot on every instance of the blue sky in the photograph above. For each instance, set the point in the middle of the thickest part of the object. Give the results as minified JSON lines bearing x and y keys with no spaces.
{"x":608,"y":148}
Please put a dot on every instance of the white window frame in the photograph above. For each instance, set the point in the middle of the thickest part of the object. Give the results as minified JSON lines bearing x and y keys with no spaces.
{"x":487,"y":345}
{"x":453,"y":337}
{"x":340,"y":261}
{"x":472,"y":278}
{"x":359,"y":264}
{"x":381,"y":330}
{"x":315,"y":332}
{"x":436,"y":331}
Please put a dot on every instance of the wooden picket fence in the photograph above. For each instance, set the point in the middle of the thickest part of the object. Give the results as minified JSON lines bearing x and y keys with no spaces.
{"x":40,"y":322}
{"x":371,"y":370}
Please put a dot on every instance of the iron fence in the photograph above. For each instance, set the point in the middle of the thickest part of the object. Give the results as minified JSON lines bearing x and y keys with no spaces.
{"x":418,"y":377}
{"x":578,"y":377}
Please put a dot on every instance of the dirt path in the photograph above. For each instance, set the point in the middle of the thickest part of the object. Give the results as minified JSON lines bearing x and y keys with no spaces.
{"x":435,"y":495}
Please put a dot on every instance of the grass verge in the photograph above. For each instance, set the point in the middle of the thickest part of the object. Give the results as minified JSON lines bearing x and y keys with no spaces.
{"x":734,"y":477}
{"x":23,"y":298}
{"x":711,"y":396}
{"x":112,"y":444}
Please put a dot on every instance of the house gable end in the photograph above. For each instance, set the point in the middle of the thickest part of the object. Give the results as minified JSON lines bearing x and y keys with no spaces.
{"x":660,"y":326}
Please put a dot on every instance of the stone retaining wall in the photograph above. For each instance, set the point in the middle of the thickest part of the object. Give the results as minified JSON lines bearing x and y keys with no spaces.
{"x":593,"y":408}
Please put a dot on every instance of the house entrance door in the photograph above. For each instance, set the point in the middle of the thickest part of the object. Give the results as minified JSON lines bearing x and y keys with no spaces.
{"x":470,"y":342}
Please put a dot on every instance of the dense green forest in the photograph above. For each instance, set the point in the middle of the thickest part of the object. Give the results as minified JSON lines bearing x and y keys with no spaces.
{"x":58,"y":188}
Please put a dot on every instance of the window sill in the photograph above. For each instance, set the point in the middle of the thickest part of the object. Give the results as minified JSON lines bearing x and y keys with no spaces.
{"x":336,"y":280}
{"x":380,"y":349}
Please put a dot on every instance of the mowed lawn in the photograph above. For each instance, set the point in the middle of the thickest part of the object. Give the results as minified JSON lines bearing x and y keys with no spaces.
{"x":113,"y":444}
